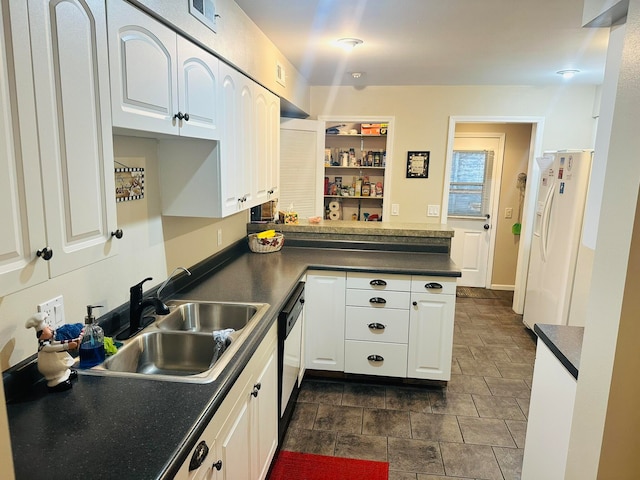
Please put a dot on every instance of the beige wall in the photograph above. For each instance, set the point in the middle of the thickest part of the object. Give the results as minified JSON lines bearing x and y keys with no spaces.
{"x":6,"y":459}
{"x":516,"y":160}
{"x":422,"y":119}
{"x":152,"y":246}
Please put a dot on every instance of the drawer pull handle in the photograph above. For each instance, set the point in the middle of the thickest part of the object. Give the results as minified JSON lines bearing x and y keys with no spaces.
{"x":377,"y":300}
{"x":433,"y":286}
{"x":375,"y":358}
{"x":199,"y":454}
{"x":377,"y":326}
{"x":378,"y":283}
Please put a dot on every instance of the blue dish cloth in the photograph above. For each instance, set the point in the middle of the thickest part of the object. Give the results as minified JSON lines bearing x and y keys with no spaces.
{"x":68,"y":331}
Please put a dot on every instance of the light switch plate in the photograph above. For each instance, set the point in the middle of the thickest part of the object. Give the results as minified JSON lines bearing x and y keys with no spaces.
{"x":395,"y":209}
{"x":55,"y":309}
{"x":433,"y":210}
{"x":508,"y":212}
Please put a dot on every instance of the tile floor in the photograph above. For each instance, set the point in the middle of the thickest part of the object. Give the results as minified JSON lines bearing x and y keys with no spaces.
{"x":474,"y":428}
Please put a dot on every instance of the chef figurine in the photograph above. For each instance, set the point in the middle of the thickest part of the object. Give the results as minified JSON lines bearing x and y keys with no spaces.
{"x":53,"y":360}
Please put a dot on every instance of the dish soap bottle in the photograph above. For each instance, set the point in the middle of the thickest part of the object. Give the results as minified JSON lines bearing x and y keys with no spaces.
{"x":92,"y":345}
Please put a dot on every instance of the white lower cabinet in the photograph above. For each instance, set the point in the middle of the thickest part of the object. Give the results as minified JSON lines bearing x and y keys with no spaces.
{"x":391,"y":325}
{"x":241,"y":439}
{"x":324,"y":320}
{"x":431,"y":328}
{"x":553,"y":394}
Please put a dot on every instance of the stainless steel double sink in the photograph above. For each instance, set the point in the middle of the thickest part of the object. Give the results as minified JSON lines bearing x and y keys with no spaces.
{"x":193,"y":343}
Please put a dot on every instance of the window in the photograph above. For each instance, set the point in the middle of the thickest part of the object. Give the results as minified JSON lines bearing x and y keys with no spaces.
{"x":470,"y":183}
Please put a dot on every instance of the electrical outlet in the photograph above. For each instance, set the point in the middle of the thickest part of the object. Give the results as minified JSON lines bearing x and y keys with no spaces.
{"x":395,"y":209}
{"x":508,"y":212}
{"x":433,"y":210}
{"x":55,"y":309}
{"x":219,"y":236}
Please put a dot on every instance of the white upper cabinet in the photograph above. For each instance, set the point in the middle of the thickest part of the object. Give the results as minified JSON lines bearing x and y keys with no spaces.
{"x":71,"y":86}
{"x":160,"y":82}
{"x":57,"y":192}
{"x":267,"y":136}
{"x":21,"y":212}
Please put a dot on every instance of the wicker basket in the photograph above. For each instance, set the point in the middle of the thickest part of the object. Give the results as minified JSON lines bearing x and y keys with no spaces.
{"x":265,"y":245}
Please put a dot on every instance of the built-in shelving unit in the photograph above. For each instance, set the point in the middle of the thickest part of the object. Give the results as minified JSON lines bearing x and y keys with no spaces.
{"x":356,"y":168}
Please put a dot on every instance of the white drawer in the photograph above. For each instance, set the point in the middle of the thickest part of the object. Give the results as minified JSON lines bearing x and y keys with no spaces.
{"x":379,"y":281}
{"x":371,"y":358}
{"x":383,"y":300}
{"x":391,"y":326}
{"x":419,"y":284}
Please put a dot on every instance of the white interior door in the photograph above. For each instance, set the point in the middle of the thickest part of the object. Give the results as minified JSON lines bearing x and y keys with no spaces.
{"x":474,"y":183}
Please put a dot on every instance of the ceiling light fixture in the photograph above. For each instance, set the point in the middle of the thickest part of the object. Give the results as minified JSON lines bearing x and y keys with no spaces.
{"x":356,"y":74}
{"x":567,"y":74}
{"x":349,"y":44}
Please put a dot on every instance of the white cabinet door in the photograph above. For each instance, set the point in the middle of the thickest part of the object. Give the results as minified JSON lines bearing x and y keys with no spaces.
{"x":261,"y":129}
{"x":264,"y":424}
{"x":198,"y":91}
{"x":325,"y":320}
{"x":21,"y":213}
{"x":70,"y":67}
{"x":143,"y":59}
{"x":273,"y":149}
{"x":431,"y":336}
{"x":235,"y":442}
{"x":246,"y":148}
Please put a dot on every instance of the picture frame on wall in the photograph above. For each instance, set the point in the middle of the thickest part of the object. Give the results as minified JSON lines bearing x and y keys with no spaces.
{"x":418,"y":164}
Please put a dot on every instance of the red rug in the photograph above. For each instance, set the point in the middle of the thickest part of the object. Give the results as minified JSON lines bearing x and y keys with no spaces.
{"x":305,"y":466}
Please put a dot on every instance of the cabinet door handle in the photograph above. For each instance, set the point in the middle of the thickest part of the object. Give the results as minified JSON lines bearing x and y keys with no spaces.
{"x":433,"y":286}
{"x":118,"y":233}
{"x":377,"y":326}
{"x":256,"y":389}
{"x":218,"y":465}
{"x":182,"y":116}
{"x":199,"y":454}
{"x":377,"y":300}
{"x":46,"y":253}
{"x":375,"y":358}
{"x":414,"y":303}
{"x":378,"y":283}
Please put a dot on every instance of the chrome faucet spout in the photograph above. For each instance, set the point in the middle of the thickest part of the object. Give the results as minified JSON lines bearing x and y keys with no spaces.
{"x":164,"y":284}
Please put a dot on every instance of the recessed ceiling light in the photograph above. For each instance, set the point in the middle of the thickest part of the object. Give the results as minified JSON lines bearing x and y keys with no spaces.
{"x":567,"y":74}
{"x":349,"y":44}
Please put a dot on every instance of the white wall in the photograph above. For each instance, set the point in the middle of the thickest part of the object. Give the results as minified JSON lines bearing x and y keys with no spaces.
{"x":422,"y":119}
{"x":611,"y":336}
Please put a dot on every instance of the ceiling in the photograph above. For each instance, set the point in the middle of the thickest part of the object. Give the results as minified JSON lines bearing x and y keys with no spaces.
{"x":434,"y":42}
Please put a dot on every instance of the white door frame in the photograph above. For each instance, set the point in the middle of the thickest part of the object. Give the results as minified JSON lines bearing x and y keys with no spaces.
{"x":496,"y":180}
{"x":528,"y":210}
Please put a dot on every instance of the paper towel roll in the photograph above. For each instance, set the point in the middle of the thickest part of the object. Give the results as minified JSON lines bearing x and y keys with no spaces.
{"x":333,"y":215}
{"x":334,"y":206}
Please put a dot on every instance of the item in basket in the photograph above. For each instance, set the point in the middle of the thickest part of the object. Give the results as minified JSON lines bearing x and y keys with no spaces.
{"x":265,"y":245}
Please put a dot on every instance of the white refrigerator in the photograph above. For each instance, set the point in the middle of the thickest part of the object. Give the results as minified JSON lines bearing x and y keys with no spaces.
{"x":562,"y":193}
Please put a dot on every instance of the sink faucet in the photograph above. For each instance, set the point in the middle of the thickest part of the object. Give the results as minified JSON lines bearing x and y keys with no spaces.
{"x":164,"y":284}
{"x":137,"y":304}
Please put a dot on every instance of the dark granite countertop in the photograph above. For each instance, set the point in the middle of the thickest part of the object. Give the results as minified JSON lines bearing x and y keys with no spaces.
{"x":565,"y":342}
{"x":114,"y":427}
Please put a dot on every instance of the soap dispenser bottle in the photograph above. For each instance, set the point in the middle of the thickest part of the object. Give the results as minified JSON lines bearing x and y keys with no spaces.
{"x":92,"y":345}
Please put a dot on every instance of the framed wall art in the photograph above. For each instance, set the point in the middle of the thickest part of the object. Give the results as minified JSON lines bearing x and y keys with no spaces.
{"x":417,"y":164}
{"x":129,"y":184}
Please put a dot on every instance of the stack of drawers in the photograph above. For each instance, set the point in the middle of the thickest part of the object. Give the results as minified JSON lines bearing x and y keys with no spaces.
{"x":377,"y":324}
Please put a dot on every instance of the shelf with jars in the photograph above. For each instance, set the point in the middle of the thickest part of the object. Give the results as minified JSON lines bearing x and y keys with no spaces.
{"x":355,"y":169}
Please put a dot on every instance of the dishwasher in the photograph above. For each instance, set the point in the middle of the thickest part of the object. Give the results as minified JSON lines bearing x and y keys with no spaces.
{"x":289,"y":357}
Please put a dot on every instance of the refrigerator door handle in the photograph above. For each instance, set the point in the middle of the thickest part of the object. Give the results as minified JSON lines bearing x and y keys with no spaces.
{"x":546,"y":217}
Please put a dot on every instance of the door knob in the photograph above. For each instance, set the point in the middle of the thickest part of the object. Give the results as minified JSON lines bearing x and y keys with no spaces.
{"x":486,"y":226}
